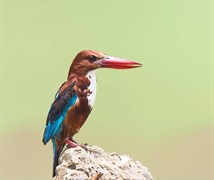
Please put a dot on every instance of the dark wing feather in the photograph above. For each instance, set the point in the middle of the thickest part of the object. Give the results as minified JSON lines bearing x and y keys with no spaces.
{"x":64,"y":101}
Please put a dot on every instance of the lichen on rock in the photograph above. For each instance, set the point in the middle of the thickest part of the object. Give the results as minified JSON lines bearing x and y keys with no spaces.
{"x":95,"y":163}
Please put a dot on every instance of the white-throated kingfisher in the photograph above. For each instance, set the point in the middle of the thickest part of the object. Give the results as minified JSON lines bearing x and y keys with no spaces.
{"x":75,"y":98}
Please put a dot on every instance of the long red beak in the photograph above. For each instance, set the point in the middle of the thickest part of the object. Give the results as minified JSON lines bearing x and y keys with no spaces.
{"x":117,"y":63}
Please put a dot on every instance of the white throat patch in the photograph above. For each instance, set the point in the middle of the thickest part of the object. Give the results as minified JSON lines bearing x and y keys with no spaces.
{"x":92,"y":87}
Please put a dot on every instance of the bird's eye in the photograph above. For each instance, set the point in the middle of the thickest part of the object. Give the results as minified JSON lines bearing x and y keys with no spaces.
{"x":92,"y":58}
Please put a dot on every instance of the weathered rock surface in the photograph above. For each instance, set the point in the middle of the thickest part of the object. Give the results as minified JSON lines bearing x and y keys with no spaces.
{"x":94,"y":164}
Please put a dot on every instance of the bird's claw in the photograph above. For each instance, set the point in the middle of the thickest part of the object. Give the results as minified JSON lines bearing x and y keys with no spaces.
{"x":72,"y":144}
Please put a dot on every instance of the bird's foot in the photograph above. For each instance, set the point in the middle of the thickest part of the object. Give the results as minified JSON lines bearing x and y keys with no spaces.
{"x":72,"y":144}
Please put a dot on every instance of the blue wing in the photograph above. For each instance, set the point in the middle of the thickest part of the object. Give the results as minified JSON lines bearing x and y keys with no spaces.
{"x":63,"y":102}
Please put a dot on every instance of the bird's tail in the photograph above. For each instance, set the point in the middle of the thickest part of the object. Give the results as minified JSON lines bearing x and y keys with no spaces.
{"x":56,"y":153}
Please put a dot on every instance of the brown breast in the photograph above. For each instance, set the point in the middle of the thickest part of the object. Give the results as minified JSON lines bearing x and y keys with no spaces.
{"x":77,"y":115}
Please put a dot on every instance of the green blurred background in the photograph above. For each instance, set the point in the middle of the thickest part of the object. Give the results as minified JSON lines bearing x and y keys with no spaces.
{"x":160,"y":114}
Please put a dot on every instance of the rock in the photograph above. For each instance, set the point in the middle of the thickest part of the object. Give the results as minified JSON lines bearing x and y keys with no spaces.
{"x":94,"y":164}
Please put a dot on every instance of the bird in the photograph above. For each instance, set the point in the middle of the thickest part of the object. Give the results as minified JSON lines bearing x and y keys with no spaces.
{"x":75,"y":99}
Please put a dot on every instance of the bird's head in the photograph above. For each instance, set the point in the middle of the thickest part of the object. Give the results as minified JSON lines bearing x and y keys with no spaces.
{"x":88,"y":60}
